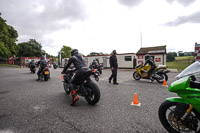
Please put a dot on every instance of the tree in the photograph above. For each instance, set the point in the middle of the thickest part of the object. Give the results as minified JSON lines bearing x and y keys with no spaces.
{"x":8,"y":38}
{"x":96,"y":53}
{"x":66,"y":51}
{"x":170,"y":56}
{"x":4,"y":52}
{"x":30,"y":49}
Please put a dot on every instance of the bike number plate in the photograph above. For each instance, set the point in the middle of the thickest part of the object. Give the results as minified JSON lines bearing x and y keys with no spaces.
{"x":46,"y":72}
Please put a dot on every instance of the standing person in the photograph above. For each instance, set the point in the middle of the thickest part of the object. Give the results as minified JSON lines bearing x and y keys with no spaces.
{"x":79,"y":63}
{"x":114,"y":67}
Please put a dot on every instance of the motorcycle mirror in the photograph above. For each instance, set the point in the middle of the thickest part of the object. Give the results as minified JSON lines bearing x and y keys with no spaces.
{"x":193,"y":78}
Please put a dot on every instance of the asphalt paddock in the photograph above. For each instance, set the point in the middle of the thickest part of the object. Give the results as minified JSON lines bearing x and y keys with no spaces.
{"x":28,"y":106}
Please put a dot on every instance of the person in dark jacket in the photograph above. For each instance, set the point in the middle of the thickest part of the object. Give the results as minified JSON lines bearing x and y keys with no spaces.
{"x":32,"y":63}
{"x":43,"y":64}
{"x":114,"y":67}
{"x":79,"y":63}
{"x":149,"y":60}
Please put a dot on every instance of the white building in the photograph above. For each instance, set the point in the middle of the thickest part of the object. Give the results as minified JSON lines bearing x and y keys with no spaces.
{"x":157,"y":53}
{"x":130,"y":60}
{"x":125,"y":60}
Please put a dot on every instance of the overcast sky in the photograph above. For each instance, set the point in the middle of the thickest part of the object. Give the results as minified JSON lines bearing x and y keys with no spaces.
{"x":104,"y":25}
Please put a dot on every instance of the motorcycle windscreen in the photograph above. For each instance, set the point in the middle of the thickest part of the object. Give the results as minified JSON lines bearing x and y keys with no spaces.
{"x":190,"y":70}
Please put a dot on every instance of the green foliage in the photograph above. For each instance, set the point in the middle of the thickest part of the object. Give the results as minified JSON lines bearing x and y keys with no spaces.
{"x":30,"y":49}
{"x":8,"y":38}
{"x":66,"y":51}
{"x":170,"y":56}
{"x":95,"y":53}
{"x":4,"y":52}
{"x":180,"y":63}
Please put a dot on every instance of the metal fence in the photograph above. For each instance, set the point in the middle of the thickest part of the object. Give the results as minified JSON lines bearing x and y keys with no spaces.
{"x":3,"y":60}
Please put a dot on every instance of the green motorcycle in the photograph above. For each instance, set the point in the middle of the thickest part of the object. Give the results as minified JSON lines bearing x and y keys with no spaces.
{"x":182,"y":114}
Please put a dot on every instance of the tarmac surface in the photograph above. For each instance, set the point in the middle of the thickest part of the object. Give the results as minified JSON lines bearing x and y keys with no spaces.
{"x":28,"y":106}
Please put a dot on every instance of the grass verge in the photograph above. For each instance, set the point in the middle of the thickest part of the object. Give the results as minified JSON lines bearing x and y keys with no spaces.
{"x":8,"y":65}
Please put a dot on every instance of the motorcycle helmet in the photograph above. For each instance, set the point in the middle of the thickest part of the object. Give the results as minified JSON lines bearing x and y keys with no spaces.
{"x":147,"y":56}
{"x":74,"y":52}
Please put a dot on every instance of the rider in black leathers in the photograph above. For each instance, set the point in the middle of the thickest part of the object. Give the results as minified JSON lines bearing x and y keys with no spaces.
{"x":32,"y":63}
{"x":81,"y":67}
{"x":43,"y":64}
{"x":149,"y":60}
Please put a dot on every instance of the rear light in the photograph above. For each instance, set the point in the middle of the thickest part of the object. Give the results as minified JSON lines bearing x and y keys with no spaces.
{"x":95,"y":70}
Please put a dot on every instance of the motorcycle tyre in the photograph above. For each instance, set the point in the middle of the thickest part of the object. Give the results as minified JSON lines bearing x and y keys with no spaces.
{"x":66,"y":90}
{"x":100,"y":71}
{"x":46,"y":77}
{"x":136,"y":72}
{"x":161,"y":81}
{"x":96,"y":92}
{"x":162,"y":115}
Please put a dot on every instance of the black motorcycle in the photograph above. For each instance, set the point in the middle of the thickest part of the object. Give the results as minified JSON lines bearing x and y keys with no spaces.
{"x":86,"y":87}
{"x":55,"y":65}
{"x":96,"y":66}
{"x":45,"y":74}
{"x":33,"y":68}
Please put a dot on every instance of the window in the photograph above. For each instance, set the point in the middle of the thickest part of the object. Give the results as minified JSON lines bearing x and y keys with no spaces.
{"x":128,"y":58}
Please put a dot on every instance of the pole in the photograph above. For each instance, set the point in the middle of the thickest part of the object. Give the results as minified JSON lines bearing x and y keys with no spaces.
{"x":141,"y":38}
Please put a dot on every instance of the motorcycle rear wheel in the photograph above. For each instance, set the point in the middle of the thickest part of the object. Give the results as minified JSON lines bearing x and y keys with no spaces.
{"x":46,"y":77}
{"x":136,"y":75}
{"x":94,"y":93}
{"x":169,"y":115}
{"x":163,"y":77}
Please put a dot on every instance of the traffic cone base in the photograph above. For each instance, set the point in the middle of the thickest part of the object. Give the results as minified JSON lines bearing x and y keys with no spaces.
{"x":135,"y":101}
{"x":139,"y":104}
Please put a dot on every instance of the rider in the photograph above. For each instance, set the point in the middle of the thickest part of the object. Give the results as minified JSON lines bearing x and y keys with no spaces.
{"x":81,"y":67}
{"x":43,"y":64}
{"x":149,"y":60}
{"x":95,"y":63}
{"x":32,"y":63}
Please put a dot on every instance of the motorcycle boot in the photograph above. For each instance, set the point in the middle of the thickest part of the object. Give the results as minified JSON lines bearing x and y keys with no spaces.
{"x":74,"y":97}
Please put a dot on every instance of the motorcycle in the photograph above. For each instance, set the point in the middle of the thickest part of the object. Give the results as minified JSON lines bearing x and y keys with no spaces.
{"x":86,"y":87}
{"x":33,"y":68}
{"x":55,"y":65}
{"x":182,"y":114}
{"x":96,"y":66}
{"x":45,"y":74}
{"x":159,"y":73}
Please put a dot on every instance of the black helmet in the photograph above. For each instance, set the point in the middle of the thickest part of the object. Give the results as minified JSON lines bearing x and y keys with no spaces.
{"x":74,"y":52}
{"x":147,"y":56}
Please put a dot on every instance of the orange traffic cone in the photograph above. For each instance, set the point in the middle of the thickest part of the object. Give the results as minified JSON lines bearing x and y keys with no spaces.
{"x":61,"y":76}
{"x":135,"y":101}
{"x":164,"y":83}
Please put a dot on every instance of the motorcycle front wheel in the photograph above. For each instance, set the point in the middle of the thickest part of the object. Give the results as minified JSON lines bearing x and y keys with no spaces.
{"x":170,"y":114}
{"x":66,"y":87}
{"x":93,"y":93}
{"x":136,"y":75}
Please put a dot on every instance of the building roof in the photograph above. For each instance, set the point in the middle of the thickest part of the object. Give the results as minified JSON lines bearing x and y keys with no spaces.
{"x":108,"y":54}
{"x":152,"y":50}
